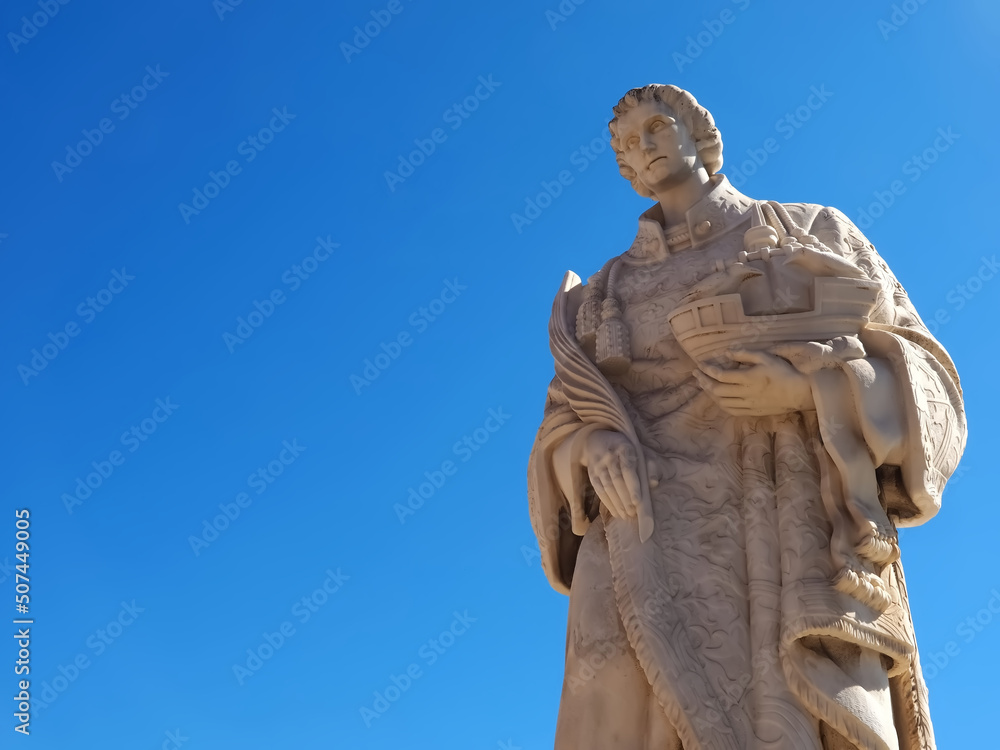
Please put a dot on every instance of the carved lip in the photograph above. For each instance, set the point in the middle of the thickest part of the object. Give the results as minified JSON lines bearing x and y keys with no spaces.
{"x":654,"y":161}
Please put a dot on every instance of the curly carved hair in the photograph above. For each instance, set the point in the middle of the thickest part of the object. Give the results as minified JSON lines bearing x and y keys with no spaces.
{"x":695,"y":117}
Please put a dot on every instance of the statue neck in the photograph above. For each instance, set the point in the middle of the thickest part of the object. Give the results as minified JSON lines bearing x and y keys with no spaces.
{"x":677,"y":199}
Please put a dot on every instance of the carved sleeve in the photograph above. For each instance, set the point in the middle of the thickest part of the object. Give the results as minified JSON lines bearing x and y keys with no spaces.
{"x":552,"y":511}
{"x":928,"y":397}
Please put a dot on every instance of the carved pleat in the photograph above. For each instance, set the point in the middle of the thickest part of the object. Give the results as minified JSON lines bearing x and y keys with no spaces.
{"x":780,"y":722}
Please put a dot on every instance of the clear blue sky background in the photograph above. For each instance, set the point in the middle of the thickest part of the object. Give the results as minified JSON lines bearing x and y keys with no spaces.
{"x":887,"y":90}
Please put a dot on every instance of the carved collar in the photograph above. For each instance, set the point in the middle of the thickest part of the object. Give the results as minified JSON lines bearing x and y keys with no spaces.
{"x":720,"y":210}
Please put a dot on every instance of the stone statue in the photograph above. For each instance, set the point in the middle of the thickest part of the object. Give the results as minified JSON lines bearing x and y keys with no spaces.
{"x":745,"y":408}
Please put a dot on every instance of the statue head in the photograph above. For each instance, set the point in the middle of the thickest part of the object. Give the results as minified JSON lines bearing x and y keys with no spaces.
{"x":698,"y":142}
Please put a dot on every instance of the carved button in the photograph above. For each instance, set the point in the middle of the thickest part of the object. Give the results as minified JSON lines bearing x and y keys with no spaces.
{"x":703,"y":228}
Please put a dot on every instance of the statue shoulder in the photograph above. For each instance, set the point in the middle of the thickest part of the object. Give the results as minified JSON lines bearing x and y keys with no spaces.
{"x":829,"y":224}
{"x":578,"y":306}
{"x":600,"y":279}
{"x":596,"y":284}
{"x":806,"y":215}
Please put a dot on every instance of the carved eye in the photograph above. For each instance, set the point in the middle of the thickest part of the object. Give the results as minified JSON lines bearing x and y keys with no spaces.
{"x":657,"y":126}
{"x":632,"y":141}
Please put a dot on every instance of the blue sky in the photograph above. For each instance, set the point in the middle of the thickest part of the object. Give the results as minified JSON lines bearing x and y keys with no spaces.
{"x":264,"y":271}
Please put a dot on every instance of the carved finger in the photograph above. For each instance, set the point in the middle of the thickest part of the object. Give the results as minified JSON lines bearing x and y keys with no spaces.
{"x":739,"y":391}
{"x":726,"y":376}
{"x":605,"y":490}
{"x":631,"y":477}
{"x":801,"y":350}
{"x":653,"y":472}
{"x":719,"y":391}
{"x":737,"y":402}
{"x":614,"y":486}
{"x":750,"y":357}
{"x":753,"y":411}
{"x":737,"y":407}
{"x":602,"y":493}
{"x":625,"y":498}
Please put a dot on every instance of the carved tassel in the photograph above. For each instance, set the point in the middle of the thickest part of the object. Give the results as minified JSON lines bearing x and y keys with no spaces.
{"x":588,"y":316}
{"x":613,"y":350}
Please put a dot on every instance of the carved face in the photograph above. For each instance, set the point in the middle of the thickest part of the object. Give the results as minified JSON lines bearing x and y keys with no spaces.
{"x":657,"y":145}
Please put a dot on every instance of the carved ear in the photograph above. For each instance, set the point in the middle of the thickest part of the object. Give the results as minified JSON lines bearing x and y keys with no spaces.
{"x":710,"y":153}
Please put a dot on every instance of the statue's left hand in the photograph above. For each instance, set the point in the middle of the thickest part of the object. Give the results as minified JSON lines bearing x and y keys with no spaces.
{"x":766,"y":385}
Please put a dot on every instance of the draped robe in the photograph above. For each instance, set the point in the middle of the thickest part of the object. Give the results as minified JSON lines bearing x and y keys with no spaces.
{"x":768,"y":609}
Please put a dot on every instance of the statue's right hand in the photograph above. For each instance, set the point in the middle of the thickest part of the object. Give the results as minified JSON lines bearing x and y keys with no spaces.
{"x":611,"y":464}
